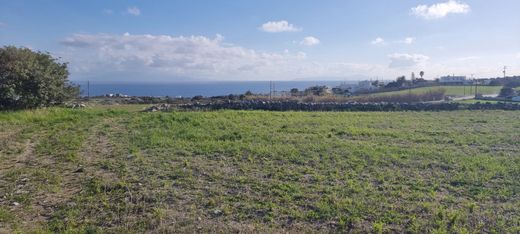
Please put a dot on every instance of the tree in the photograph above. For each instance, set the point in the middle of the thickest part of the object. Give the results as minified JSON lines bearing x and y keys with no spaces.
{"x":340,"y":91}
{"x":31,"y":79}
{"x":399,"y":82}
{"x":507,"y":92}
{"x":421,"y":73}
{"x":197,"y":98}
{"x":294,"y":92}
{"x":496,"y":82}
{"x":317,"y":90}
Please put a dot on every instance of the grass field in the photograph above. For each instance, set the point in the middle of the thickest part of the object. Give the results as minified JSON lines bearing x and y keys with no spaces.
{"x":123,"y":171}
{"x":473,"y":101}
{"x":450,"y":90}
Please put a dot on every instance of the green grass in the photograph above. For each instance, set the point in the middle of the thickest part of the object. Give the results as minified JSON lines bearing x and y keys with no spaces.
{"x":473,"y":101}
{"x":104,"y":170}
{"x":450,"y":90}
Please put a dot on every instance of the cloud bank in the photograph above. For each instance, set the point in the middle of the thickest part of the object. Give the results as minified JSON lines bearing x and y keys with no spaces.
{"x":194,"y":56}
{"x":172,"y":58}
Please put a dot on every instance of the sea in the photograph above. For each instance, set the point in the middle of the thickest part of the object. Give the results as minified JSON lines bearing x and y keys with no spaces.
{"x":206,"y":89}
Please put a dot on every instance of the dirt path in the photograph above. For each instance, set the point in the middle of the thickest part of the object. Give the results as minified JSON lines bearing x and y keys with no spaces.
{"x":33,"y":186}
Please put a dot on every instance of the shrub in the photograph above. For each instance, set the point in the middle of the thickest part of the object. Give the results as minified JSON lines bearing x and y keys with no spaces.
{"x":506,"y":92}
{"x":31,"y":79}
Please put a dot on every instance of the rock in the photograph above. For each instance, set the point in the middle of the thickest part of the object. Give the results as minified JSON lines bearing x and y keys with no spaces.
{"x":19,"y":191}
{"x":79,"y":170}
{"x":217,"y":212}
{"x":76,"y":105}
{"x":160,"y":107}
{"x":152,"y":109}
{"x":16,"y":204}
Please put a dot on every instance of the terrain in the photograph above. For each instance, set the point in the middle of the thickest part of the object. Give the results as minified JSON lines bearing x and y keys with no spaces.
{"x":457,"y":91}
{"x":119,"y":170}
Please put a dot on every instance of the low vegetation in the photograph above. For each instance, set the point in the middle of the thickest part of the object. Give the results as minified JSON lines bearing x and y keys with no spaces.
{"x":123,"y":171}
{"x":30,"y":79}
{"x":437,"y":94}
{"x":449,"y":90}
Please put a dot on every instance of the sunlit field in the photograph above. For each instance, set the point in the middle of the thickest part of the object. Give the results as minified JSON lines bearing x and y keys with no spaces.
{"x":119,"y":170}
{"x":449,"y":90}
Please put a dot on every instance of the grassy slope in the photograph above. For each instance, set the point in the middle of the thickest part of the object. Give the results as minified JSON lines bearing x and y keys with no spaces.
{"x":450,"y":90}
{"x":121,"y":171}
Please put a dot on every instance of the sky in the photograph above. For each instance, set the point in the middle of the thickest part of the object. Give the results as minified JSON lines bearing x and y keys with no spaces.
{"x":213,"y":40}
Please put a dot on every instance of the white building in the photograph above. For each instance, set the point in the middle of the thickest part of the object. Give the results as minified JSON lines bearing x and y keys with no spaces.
{"x":365,"y":85}
{"x":484,"y":81}
{"x":453,"y":79}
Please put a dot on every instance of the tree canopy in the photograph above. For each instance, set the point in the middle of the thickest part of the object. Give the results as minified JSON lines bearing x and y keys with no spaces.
{"x":30,"y":79}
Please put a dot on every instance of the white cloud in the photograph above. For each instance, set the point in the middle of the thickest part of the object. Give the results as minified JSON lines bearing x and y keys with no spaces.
{"x":133,"y":11}
{"x":518,"y":55}
{"x":398,"y":60}
{"x":107,"y":11}
{"x":468,"y":58}
{"x":440,"y":10}
{"x":378,"y":41}
{"x":167,"y":56}
{"x":146,"y":57}
{"x":409,"y":40}
{"x":310,"y":41}
{"x":279,"y":26}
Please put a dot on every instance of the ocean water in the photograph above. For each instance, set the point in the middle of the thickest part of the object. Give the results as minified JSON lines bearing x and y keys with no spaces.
{"x":193,"y":89}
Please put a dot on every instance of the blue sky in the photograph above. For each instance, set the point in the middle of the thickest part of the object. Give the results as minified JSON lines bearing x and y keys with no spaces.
{"x":187,"y":40}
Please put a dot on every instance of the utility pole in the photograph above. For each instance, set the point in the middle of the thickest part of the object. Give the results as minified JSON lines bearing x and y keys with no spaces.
{"x":505,"y":68}
{"x":474,"y":81}
{"x":476,"y":86}
{"x":270,"y":89}
{"x":476,"y":89}
{"x":274,"y":89}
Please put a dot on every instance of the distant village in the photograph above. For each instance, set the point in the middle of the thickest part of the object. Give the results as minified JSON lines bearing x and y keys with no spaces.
{"x":363,"y":91}
{"x":402,"y":83}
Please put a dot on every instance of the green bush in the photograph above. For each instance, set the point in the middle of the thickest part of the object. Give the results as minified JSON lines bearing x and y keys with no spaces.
{"x":30,"y":79}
